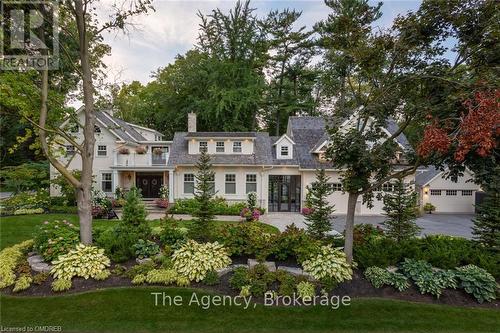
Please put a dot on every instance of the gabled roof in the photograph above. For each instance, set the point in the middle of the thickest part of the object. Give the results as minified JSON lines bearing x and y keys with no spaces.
{"x":283,"y":137}
{"x":214,"y":135}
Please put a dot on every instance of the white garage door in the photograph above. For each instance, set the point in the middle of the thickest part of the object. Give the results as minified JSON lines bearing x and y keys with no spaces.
{"x":452,"y":201}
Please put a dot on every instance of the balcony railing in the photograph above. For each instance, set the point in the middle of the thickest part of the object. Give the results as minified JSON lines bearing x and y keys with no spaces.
{"x":151,"y":157}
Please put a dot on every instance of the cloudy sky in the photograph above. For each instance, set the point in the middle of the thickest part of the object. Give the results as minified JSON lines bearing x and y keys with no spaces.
{"x":172,"y":29}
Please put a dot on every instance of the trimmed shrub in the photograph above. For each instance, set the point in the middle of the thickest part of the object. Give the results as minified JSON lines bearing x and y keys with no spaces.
{"x":240,"y":278}
{"x":118,"y":241}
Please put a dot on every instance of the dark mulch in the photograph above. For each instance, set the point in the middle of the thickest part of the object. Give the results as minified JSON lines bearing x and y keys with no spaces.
{"x":357,"y":287}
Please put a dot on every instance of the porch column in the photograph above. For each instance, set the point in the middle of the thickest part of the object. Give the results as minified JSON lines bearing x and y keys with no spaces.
{"x":115,"y":179}
{"x":170,"y":185}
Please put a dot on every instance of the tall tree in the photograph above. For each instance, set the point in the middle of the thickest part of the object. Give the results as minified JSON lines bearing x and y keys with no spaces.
{"x":399,"y":74}
{"x":291,"y":80}
{"x":236,"y":50}
{"x":88,"y":29}
{"x":486,"y":227}
{"x":204,"y":192}
{"x":319,"y":221}
{"x":401,"y":209}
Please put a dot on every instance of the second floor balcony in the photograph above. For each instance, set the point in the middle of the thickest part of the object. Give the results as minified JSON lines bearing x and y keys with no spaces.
{"x":142,"y":156}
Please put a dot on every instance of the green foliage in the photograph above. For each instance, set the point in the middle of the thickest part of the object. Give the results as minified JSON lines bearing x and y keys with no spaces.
{"x":429,"y":283}
{"x":23,"y":201}
{"x":139,"y":279}
{"x":63,"y":210}
{"x":477,"y":282}
{"x":203,"y":194}
{"x":102,"y":275}
{"x":84,"y":261}
{"x":66,"y":188}
{"x":440,"y":251}
{"x":415,"y":268}
{"x":9,"y":258}
{"x":55,"y":238}
{"x":194,"y":260}
{"x":28,"y":211}
{"x":249,"y":238}
{"x":211,"y":278}
{"x":134,"y":212}
{"x":294,"y":243}
{"x":61,"y":285}
{"x":401,"y":210}
{"x":40,"y":278}
{"x":145,"y":248}
{"x":399,"y":281}
{"x":245,"y":291}
{"x":287,"y":283}
{"x":258,"y":287}
{"x":141,"y":269}
{"x":31,"y":176}
{"x":487,"y":221}
{"x":365,"y":231}
{"x":163,"y":276}
{"x":328,"y":263}
{"x":173,"y":235}
{"x":240,"y":278}
{"x":22,"y":283}
{"x":219,"y":204}
{"x":427,"y":279}
{"x":319,"y":220}
{"x":429,"y":208}
{"x":251,"y":201}
{"x":306,"y":290}
{"x":377,"y":276}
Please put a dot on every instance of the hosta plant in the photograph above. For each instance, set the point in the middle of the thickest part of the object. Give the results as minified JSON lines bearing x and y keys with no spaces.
{"x":194,"y":260}
{"x":61,"y":285}
{"x":139,"y":279}
{"x":22,"y":283}
{"x":377,"y":276}
{"x":477,"y":282}
{"x":330,"y":264}
{"x":306,"y":290}
{"x":145,"y":249}
{"x":399,"y":281}
{"x":430,"y":283}
{"x":415,"y":268}
{"x":9,"y":259}
{"x":84,"y":261}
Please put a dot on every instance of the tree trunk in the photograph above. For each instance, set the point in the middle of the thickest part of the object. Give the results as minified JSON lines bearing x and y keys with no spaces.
{"x":84,"y":195}
{"x":349,"y":225}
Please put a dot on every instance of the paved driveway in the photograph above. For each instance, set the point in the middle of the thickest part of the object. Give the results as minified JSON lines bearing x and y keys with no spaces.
{"x":447,"y":224}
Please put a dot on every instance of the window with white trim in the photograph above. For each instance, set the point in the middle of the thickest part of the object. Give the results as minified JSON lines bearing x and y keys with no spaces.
{"x":230,"y":185}
{"x":211,"y":183}
{"x":251,"y":183}
{"x":220,"y":147}
{"x":451,"y":192}
{"x":237,"y":147}
{"x":336,"y":186}
{"x":466,"y":193}
{"x":435,"y":192}
{"x":102,"y":150}
{"x":97,"y":129}
{"x":107,"y":182}
{"x":388,"y":187}
{"x":188,"y":183}
{"x":70,"y":150}
{"x":203,"y":146}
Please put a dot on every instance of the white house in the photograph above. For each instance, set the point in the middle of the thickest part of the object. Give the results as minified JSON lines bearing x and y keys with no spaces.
{"x":278,"y":169}
{"x":445,"y":195}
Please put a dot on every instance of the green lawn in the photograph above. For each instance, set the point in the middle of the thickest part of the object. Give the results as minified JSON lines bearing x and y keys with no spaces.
{"x":15,"y":229}
{"x":133,"y":310}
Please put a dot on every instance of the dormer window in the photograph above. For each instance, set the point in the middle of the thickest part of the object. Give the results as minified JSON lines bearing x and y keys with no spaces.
{"x":203,"y":146}
{"x":284,"y":151}
{"x":237,"y":147}
{"x":219,"y":147}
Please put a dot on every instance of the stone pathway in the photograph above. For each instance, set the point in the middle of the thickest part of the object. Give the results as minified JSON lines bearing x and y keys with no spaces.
{"x":37,"y":264}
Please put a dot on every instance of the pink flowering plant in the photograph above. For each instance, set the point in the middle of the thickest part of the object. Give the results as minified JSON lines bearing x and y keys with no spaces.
{"x":54,"y":238}
{"x":306,"y":211}
{"x":249,"y":214}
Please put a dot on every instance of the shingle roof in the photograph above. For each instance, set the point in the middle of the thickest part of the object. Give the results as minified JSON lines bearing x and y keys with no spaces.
{"x":392,"y":127}
{"x":262,"y":153}
{"x":423,"y":176}
{"x":120,"y":127}
{"x":221,"y":135}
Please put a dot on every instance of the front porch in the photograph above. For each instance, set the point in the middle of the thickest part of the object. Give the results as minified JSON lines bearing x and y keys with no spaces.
{"x":149,"y":181}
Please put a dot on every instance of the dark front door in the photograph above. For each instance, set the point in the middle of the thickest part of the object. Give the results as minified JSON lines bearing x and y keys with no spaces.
{"x":284,"y":193}
{"x":149,"y":185}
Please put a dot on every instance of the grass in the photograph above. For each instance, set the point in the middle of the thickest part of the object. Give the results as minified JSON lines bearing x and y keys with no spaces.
{"x":133,"y":310}
{"x":15,"y":229}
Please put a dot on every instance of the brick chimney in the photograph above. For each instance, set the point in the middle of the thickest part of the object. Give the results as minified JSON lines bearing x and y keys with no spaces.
{"x":191,"y":122}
